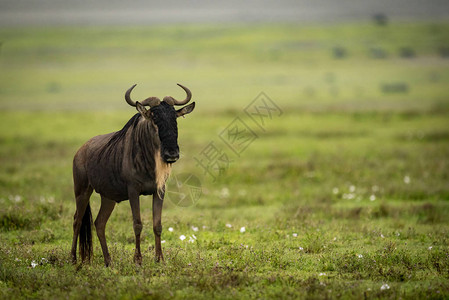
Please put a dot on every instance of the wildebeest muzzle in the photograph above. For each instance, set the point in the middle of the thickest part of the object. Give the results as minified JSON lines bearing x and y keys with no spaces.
{"x":170,"y":155}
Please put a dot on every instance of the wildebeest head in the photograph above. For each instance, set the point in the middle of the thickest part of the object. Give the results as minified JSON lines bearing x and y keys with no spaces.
{"x":163,"y":115}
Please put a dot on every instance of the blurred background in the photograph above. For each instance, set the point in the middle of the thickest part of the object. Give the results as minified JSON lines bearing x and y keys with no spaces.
{"x":310,"y":54}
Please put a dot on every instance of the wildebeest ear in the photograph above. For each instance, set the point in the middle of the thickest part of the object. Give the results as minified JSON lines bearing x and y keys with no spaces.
{"x":140,"y":108}
{"x":185,"y":110}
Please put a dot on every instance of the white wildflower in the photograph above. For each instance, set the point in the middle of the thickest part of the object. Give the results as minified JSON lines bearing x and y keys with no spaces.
{"x":242,"y":229}
{"x":228,"y":225}
{"x":372,"y":197}
{"x":182,"y":237}
{"x":170,"y":229}
{"x":352,"y":189}
{"x":295,"y":234}
{"x":162,"y":242}
{"x":301,"y":248}
{"x":322,"y":274}
{"x":191,"y":239}
{"x":34,"y":264}
{"x":15,"y":198}
{"x":430,"y":248}
{"x":194,"y":236}
{"x":18,"y":259}
{"x":359,"y":255}
{"x":406,"y":179}
{"x":384,"y":287}
{"x":335,"y":190}
{"x":224,"y":193}
{"x":382,"y":236}
{"x":348,"y":196}
{"x":194,"y":228}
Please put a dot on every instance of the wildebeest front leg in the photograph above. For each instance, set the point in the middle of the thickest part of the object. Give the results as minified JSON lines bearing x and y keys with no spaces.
{"x":158,"y":201}
{"x":107,"y":206}
{"x":137,"y":225}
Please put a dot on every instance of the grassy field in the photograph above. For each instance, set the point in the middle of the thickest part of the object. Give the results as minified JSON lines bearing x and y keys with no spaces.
{"x":343,"y":195}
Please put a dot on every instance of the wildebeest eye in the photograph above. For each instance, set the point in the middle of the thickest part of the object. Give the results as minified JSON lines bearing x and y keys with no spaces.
{"x":154,"y":116}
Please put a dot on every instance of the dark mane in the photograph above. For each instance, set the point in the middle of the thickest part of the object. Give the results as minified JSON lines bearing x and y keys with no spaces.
{"x":114,"y":142}
{"x":119,"y":135}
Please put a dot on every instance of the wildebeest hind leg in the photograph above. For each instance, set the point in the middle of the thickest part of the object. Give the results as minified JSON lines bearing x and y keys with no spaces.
{"x":107,"y":206}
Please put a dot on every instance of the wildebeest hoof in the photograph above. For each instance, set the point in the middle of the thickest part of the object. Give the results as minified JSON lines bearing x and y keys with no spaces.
{"x":159,"y":257}
{"x":138,"y":260}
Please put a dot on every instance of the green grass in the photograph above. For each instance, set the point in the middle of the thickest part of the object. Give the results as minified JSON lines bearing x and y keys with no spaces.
{"x":344,"y":193}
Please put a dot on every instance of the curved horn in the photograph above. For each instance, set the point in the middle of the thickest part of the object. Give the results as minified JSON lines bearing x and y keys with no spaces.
{"x":172,"y":101}
{"x":128,"y":96}
{"x":151,"y":101}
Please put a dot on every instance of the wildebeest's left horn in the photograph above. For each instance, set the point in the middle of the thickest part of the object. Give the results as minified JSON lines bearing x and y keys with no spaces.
{"x":151,"y":101}
{"x":173,"y":101}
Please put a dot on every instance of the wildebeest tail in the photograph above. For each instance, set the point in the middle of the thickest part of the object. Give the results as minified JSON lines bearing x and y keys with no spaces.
{"x":86,"y":248}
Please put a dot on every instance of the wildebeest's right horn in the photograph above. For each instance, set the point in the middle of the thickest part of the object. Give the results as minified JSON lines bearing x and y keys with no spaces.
{"x":151,"y":101}
{"x":173,"y":101}
{"x":128,"y":96}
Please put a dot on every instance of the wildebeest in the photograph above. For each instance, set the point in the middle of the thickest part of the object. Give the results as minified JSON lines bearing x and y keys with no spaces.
{"x":123,"y":165}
